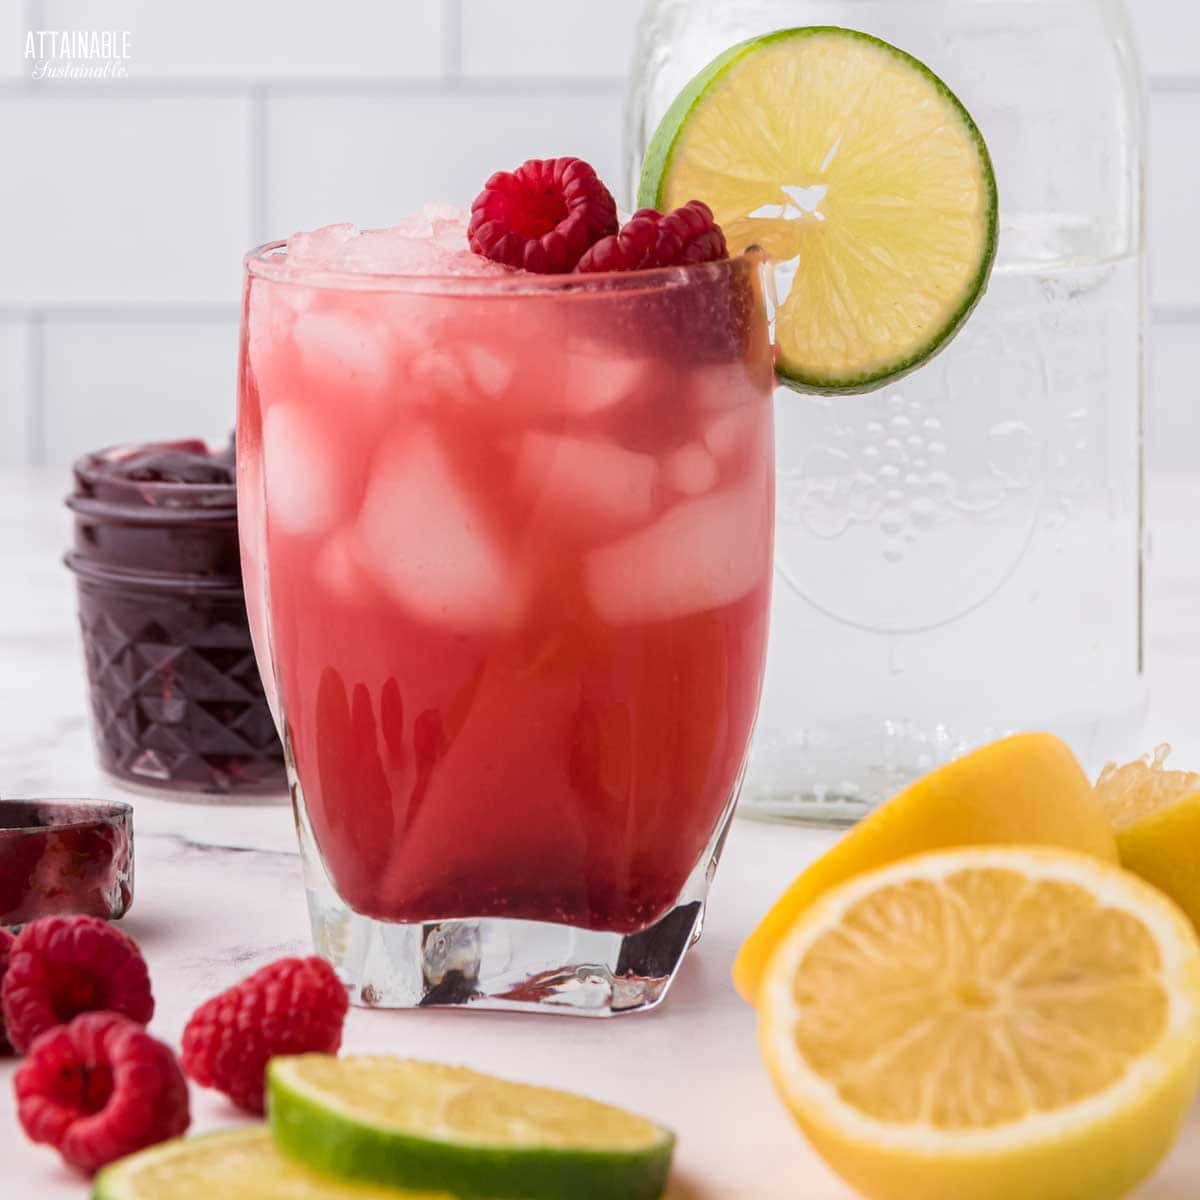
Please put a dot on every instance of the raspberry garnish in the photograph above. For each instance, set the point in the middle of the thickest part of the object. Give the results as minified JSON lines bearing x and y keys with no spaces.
{"x":293,"y":1006}
{"x":60,"y":967}
{"x":100,"y":1088}
{"x":650,"y":239}
{"x":6,"y":944}
{"x":543,"y":216}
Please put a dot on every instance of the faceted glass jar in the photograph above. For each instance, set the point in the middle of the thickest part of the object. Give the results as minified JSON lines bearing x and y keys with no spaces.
{"x":960,"y":555}
{"x":178,"y":707}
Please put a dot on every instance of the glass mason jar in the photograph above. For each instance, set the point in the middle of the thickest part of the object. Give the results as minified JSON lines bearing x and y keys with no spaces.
{"x":178,"y":707}
{"x":507,"y":550}
{"x":960,"y":555}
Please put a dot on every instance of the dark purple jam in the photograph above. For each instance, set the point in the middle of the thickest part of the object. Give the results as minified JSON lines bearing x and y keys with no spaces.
{"x":177,"y":702}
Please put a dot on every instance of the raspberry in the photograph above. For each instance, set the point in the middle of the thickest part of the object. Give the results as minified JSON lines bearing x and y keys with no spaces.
{"x":650,"y":239}
{"x":543,"y":216}
{"x":293,"y":1006}
{"x":100,"y":1088}
{"x":6,"y":944}
{"x":60,"y":967}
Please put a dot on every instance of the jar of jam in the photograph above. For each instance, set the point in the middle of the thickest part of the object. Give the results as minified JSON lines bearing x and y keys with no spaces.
{"x":177,"y":703}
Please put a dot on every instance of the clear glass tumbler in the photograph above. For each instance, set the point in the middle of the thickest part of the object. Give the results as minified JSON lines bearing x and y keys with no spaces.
{"x":960,"y":555}
{"x":507,"y":550}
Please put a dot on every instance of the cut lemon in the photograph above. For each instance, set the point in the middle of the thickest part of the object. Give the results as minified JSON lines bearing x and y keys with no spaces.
{"x":1028,"y":789}
{"x":1156,"y":816}
{"x":241,"y":1164}
{"x":988,"y":1024}
{"x":423,"y":1125}
{"x":864,"y":178}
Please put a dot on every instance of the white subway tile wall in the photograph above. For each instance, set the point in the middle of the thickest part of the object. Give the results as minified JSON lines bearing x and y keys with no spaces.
{"x":536,"y":39}
{"x":1175,"y":387}
{"x":1174,"y":183}
{"x":1169,"y":34}
{"x":256,"y":40}
{"x":373,"y":159}
{"x":122,"y":200}
{"x":15,"y":354}
{"x":125,"y":206}
{"x":112,"y":380}
{"x":12,"y":41}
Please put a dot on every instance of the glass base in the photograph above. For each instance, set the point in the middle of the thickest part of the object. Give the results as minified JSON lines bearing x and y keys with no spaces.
{"x":501,"y":963}
{"x":495,"y":963}
{"x":274,"y":795}
{"x":839,"y":773}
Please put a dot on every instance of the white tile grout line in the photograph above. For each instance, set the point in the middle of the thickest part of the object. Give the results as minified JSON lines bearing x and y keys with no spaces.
{"x":121,"y":311}
{"x":35,"y":392}
{"x":312,"y":86}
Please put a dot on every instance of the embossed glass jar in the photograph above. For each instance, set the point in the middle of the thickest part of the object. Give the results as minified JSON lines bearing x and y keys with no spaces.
{"x":177,"y":704}
{"x":961,"y":554}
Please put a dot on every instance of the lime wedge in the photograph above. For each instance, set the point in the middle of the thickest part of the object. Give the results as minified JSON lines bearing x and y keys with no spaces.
{"x":861,"y":175}
{"x":240,"y":1164}
{"x":424,"y":1125}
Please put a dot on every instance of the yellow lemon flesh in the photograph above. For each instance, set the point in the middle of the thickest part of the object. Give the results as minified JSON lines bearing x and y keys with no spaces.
{"x":1005,"y":1023}
{"x":1155,"y":814}
{"x":1028,"y":789}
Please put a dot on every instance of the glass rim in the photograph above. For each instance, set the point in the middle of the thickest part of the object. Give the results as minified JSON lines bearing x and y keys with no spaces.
{"x":60,"y":812}
{"x":262,"y":263}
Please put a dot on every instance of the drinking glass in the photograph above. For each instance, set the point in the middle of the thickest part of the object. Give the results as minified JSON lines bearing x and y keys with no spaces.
{"x":507,"y":553}
{"x":960,"y":555}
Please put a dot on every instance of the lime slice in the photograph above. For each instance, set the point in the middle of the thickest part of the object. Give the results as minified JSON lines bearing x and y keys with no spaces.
{"x":424,"y":1125}
{"x":240,"y":1163}
{"x":863,"y":177}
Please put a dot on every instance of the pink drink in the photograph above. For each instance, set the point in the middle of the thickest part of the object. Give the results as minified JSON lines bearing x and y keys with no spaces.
{"x":507,"y":549}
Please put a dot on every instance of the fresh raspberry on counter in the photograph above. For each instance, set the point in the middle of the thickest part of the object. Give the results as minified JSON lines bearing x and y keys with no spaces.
{"x":59,"y":967}
{"x":293,"y":1006}
{"x":543,"y":216}
{"x":6,"y":943}
{"x":100,"y":1088}
{"x":650,"y":239}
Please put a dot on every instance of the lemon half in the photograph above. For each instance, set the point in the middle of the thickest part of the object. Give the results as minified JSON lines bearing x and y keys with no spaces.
{"x":988,"y":1024}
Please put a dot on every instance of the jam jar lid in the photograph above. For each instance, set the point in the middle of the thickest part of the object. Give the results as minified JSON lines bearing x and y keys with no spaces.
{"x":157,"y":514}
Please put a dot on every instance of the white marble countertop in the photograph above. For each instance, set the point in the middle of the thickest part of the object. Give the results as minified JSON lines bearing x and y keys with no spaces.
{"x":219,"y":894}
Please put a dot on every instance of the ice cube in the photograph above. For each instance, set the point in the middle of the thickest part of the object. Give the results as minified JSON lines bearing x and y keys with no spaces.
{"x":321,"y":244}
{"x":273,"y":311}
{"x":726,"y":385}
{"x":433,"y":242}
{"x":698,"y":556}
{"x":338,"y":570}
{"x":306,"y":489}
{"x":598,"y":378}
{"x":490,"y":372}
{"x":438,"y":376}
{"x":343,"y":351}
{"x":586,"y":481}
{"x":691,"y":470}
{"x":424,"y":539}
{"x":729,"y":433}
